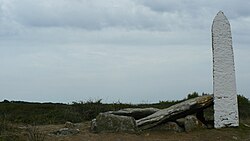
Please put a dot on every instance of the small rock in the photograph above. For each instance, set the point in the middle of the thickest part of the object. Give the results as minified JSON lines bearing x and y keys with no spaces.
{"x":69,"y":125}
{"x":93,"y":125}
{"x":66,"y":131}
{"x":235,"y":138}
{"x":246,"y":125}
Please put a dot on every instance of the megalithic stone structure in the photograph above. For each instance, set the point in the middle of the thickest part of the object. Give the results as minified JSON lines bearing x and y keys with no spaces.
{"x":224,"y":83}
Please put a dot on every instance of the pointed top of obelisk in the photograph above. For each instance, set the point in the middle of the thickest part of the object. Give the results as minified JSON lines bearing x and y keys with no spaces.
{"x":220,"y":15}
{"x":220,"y":20}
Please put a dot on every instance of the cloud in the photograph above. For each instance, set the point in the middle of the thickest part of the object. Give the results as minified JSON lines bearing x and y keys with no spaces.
{"x":85,"y":14}
{"x":96,"y":15}
{"x":130,"y":14}
{"x":197,"y":8}
{"x":127,"y":50}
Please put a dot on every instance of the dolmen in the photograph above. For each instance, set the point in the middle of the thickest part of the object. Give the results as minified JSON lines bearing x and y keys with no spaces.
{"x":183,"y":116}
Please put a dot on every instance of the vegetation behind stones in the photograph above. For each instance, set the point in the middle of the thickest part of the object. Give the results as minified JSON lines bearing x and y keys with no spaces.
{"x":57,"y":113}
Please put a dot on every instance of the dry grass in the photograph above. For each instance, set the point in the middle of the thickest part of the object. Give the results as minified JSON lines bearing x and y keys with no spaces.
{"x":241,"y":133}
{"x":34,"y":134}
{"x":50,"y":116}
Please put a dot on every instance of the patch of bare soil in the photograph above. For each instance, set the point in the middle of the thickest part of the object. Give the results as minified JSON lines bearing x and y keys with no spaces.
{"x":241,"y":133}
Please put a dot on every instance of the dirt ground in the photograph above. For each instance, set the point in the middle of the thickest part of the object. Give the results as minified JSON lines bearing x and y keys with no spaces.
{"x":241,"y":133}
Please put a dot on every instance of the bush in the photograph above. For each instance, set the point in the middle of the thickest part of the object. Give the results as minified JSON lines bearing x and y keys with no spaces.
{"x":57,"y":113}
{"x":242,"y":100}
{"x":34,"y":134}
{"x":7,"y":131}
{"x":244,"y":107}
{"x":193,"y":95}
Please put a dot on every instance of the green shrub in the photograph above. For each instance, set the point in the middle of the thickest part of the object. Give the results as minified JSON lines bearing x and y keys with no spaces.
{"x":57,"y":113}
{"x":192,"y":95}
{"x":242,"y":100}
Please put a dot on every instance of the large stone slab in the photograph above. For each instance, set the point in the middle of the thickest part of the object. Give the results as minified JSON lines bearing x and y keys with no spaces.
{"x":176,"y":111}
{"x":224,"y":84}
{"x":105,"y":122}
{"x":136,"y":113}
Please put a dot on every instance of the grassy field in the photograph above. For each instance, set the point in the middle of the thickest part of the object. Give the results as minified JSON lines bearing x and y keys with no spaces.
{"x":241,"y":133}
{"x":43,"y":118}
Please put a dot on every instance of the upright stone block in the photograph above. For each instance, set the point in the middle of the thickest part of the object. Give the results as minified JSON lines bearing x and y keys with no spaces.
{"x":224,"y":83}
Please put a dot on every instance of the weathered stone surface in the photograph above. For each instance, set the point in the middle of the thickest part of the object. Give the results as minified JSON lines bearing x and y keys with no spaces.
{"x":137,"y":113}
{"x":224,"y":84}
{"x":93,"y":125}
{"x":169,"y":126}
{"x":105,"y":122}
{"x":192,"y":123}
{"x":180,"y":121}
{"x":66,"y":132}
{"x":174,"y":112}
{"x":69,"y":125}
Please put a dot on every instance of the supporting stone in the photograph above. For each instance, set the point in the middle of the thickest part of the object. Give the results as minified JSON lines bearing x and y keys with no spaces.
{"x":105,"y":122}
{"x":224,"y":83}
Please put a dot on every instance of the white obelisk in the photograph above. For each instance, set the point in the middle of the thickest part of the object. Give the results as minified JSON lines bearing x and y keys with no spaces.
{"x":224,"y":83}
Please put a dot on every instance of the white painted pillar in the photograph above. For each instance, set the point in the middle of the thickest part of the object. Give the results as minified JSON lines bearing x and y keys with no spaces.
{"x":224,"y":83}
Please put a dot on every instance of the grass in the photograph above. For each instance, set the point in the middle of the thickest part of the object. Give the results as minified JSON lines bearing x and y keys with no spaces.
{"x":29,"y":113}
{"x":58,"y":113}
{"x":34,"y":134}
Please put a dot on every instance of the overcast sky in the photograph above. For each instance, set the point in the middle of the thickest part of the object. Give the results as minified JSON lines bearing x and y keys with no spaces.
{"x":133,"y":51}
